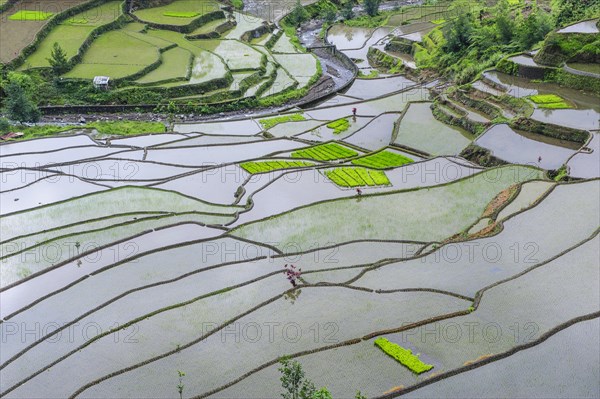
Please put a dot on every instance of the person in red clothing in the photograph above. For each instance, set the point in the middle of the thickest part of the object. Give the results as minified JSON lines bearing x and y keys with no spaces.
{"x":353,"y":111}
{"x":358,"y":192}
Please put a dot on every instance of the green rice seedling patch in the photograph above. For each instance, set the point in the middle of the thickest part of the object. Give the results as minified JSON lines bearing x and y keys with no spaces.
{"x":357,"y":177}
{"x":269,"y":166}
{"x":549,"y":101}
{"x":403,"y":355}
{"x":383,"y":160}
{"x":268,"y":123}
{"x":325,"y":152}
{"x":339,"y":126}
{"x":30,"y":15}
{"x":181,"y":14}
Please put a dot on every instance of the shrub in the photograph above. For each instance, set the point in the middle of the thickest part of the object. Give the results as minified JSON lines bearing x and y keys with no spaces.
{"x":18,"y":106}
{"x":4,"y":125}
{"x":402,"y":355}
{"x":371,"y":7}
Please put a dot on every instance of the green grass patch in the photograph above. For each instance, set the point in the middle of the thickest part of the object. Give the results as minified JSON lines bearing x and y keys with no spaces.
{"x":176,"y":14}
{"x":325,"y":152}
{"x":549,"y":101}
{"x":438,"y":21}
{"x":270,"y":122}
{"x":402,"y":355}
{"x":357,"y":177}
{"x":339,"y":126}
{"x":256,"y":167}
{"x":383,"y":160}
{"x":127,"y":128}
{"x":29,"y":15}
{"x":371,"y":75}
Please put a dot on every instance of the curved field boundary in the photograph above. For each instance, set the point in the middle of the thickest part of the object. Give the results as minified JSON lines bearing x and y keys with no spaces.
{"x":250,"y":200}
{"x":134,"y":290}
{"x":53,"y":176}
{"x":105,"y":246}
{"x":390,"y":331}
{"x":106,"y":228}
{"x":125,"y":149}
{"x":45,"y":31}
{"x":493,"y":358}
{"x":189,"y":28}
{"x":194,"y":342}
{"x":124,"y":188}
{"x":383,"y":193}
{"x":136,"y":320}
{"x":82,"y":222}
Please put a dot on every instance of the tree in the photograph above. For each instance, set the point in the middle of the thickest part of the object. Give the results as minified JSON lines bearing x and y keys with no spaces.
{"x":298,"y":14}
{"x":4,"y":125}
{"x":296,"y":385}
{"x":505,"y":23}
{"x":58,"y":60}
{"x":458,"y":33}
{"x":18,"y":106}
{"x":329,"y":15}
{"x":347,"y":11}
{"x":371,"y":7}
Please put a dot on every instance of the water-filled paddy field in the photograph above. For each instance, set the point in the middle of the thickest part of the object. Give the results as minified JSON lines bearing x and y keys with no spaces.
{"x":135,"y":258}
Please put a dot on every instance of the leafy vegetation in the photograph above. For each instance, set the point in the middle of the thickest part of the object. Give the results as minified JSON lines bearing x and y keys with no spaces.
{"x":58,"y":60}
{"x":255,"y":167}
{"x":339,"y":126}
{"x":268,"y":123}
{"x":357,"y":177}
{"x":568,"y":11}
{"x":477,"y":39}
{"x":550,"y":101}
{"x":371,"y":7}
{"x":127,"y":128}
{"x":18,"y":105}
{"x":295,"y":383}
{"x":382,"y":160}
{"x":402,"y":355}
{"x":325,"y":152}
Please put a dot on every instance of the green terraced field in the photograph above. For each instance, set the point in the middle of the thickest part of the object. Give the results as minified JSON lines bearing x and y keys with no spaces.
{"x":325,"y":152}
{"x":357,"y":177}
{"x":72,"y":33}
{"x":269,"y":166}
{"x":115,"y":54}
{"x":383,"y":160}
{"x":179,"y":12}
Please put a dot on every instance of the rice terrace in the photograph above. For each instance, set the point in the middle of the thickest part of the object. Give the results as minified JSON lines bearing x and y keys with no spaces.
{"x":315,"y":199}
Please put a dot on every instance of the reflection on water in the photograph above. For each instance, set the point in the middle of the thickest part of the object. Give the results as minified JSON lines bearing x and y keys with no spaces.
{"x":526,"y":148}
